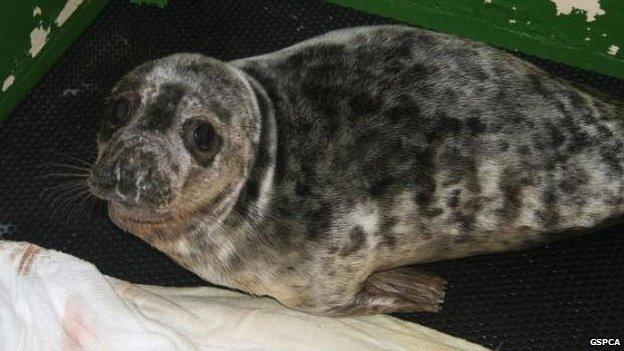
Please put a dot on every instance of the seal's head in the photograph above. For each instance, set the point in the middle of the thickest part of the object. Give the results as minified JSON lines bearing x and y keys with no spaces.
{"x":178,"y":138}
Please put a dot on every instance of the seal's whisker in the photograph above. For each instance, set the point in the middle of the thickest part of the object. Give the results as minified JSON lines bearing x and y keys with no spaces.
{"x":66,"y":193}
{"x":64,"y":165}
{"x":72,"y":199}
{"x":79,"y":203}
{"x":52,"y":195}
{"x":60,"y":202}
{"x":64,"y":175}
{"x":75,"y":158}
{"x":93,"y":204}
{"x":67,"y":184}
{"x":56,"y":193}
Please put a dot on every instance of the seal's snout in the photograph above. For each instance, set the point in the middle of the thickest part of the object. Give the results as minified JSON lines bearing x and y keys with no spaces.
{"x":131,"y":174}
{"x":104,"y":178}
{"x":131,"y":178}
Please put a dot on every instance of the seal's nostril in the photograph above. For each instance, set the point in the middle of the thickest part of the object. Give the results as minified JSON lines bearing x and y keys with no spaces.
{"x":117,"y":172}
{"x":141,"y":178}
{"x":129,"y":175}
{"x":126,"y":173}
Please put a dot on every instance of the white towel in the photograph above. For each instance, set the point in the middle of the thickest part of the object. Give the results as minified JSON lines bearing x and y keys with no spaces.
{"x":53,"y":301}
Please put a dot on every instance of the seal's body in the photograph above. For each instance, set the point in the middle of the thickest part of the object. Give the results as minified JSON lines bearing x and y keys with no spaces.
{"x":315,"y":174}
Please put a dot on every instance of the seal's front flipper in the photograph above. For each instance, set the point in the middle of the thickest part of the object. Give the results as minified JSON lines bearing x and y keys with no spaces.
{"x":404,"y":289}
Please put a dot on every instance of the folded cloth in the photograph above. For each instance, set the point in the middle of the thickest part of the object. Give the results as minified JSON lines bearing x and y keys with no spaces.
{"x":53,"y":301}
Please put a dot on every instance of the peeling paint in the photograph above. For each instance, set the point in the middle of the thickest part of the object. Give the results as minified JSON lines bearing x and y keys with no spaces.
{"x":512,"y":21}
{"x":613,"y":50}
{"x":37,"y":11}
{"x":487,"y":1}
{"x":8,"y":82}
{"x":38,"y":39}
{"x":67,"y":11}
{"x":590,"y":7}
{"x":587,"y":39}
{"x":71,"y":92}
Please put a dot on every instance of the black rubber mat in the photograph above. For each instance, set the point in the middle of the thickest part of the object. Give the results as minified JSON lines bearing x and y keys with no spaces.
{"x":549,"y":298}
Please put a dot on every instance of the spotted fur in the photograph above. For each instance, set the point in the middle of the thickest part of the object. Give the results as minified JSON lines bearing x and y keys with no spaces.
{"x":353,"y":154}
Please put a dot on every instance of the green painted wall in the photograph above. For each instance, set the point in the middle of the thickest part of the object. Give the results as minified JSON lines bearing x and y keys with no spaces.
{"x":159,"y":3}
{"x":583,"y":33}
{"x":33,"y":35}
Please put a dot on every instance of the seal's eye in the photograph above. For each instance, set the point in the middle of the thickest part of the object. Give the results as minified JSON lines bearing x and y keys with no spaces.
{"x":119,"y":111}
{"x":201,"y":139}
{"x":203,"y":136}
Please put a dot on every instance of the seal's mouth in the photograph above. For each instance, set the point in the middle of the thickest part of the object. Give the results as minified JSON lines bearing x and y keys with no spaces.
{"x":109,"y":191}
{"x":122,"y":213}
{"x":139,"y":195}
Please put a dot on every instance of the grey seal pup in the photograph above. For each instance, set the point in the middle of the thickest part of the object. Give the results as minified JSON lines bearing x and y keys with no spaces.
{"x":318,"y":174}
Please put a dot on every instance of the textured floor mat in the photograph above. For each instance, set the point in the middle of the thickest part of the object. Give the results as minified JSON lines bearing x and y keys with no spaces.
{"x":554,"y":297}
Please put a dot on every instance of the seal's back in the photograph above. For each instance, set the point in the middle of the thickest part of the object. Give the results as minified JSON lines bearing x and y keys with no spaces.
{"x":435,"y":145}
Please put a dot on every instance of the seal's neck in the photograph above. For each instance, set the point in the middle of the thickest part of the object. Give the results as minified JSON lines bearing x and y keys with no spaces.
{"x":254,"y":200}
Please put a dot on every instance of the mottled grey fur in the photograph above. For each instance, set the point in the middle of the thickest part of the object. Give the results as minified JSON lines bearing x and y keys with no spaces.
{"x":349,"y":156}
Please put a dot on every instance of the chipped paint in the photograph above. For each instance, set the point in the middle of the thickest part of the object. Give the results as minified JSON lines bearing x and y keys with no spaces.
{"x":613,"y":50}
{"x":512,"y":21}
{"x":8,"y":82}
{"x":38,"y":39}
{"x":71,"y":92}
{"x":590,"y":7}
{"x":67,"y":11}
